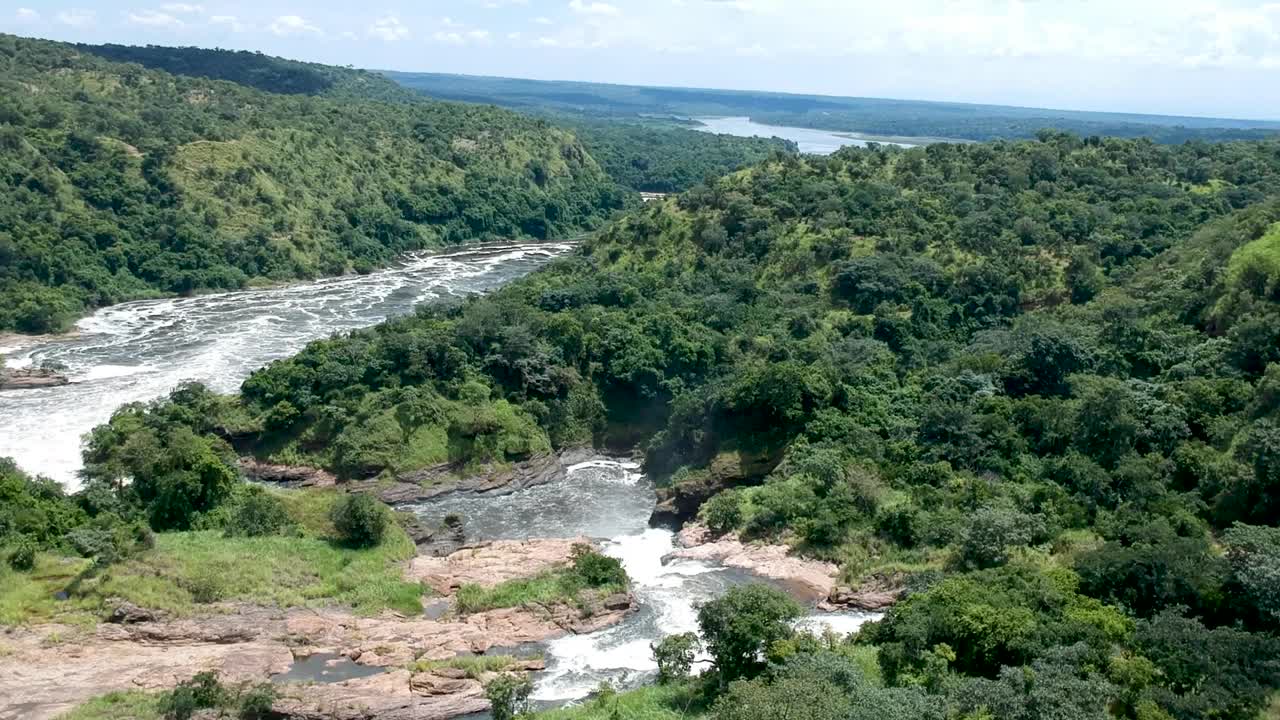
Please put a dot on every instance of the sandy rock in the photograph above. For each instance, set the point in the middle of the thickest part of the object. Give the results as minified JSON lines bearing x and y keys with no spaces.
{"x":287,"y":475}
{"x":813,"y":579}
{"x":491,"y":563}
{"x":875,"y":595}
{"x":31,"y":378}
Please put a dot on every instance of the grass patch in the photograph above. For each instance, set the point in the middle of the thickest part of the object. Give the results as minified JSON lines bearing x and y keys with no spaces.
{"x":186,"y":570}
{"x":551,"y":587}
{"x":473,"y":665}
{"x":655,"y":702}
{"x":132,"y":705}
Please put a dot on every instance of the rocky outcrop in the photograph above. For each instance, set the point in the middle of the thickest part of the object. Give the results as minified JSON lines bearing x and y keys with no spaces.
{"x":877,"y":594}
{"x":31,"y":378}
{"x":294,"y":476}
{"x":433,"y":482}
{"x":47,"y":670}
{"x":447,"y":538}
{"x":680,"y":502}
{"x":490,"y":563}
{"x":811,"y":579}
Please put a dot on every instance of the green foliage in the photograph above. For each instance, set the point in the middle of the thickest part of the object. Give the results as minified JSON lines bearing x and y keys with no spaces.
{"x":360,"y":519}
{"x":202,"y":692}
{"x":1254,"y":556}
{"x":596,"y":569}
{"x":739,"y":627}
{"x":508,"y":696}
{"x":258,"y":512}
{"x":21,"y":553}
{"x":723,"y":512}
{"x":675,"y":655}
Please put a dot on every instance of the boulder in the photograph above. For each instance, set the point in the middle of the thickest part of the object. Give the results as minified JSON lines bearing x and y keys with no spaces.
{"x":31,"y":378}
{"x":126,"y":613}
{"x":286,"y":475}
{"x":679,"y":503}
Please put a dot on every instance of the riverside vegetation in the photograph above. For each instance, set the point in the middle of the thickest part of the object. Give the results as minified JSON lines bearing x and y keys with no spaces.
{"x":1034,"y":383}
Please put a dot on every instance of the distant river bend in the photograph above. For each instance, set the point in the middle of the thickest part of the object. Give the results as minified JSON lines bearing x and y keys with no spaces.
{"x":141,"y":350}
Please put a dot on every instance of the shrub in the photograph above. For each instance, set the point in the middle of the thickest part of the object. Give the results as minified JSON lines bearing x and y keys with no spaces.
{"x":22,"y":555}
{"x":201,"y":692}
{"x":258,"y":513}
{"x":509,"y":696}
{"x":361,"y":520}
{"x":674,"y":655}
{"x":255,"y":704}
{"x":597,"y":570}
{"x":723,"y":513}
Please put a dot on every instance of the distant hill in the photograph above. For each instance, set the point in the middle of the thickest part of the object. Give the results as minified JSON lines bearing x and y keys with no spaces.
{"x":874,"y":116}
{"x":121,"y":179}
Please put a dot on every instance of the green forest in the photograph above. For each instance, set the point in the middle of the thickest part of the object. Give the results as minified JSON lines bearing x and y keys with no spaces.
{"x":123,"y":182}
{"x":1036,"y":383}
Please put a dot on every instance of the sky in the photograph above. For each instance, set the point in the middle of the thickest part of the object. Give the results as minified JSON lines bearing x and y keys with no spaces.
{"x":1198,"y":57}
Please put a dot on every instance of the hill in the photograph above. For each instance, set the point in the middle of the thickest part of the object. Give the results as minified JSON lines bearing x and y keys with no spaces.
{"x":873,"y":116}
{"x":122,"y":181}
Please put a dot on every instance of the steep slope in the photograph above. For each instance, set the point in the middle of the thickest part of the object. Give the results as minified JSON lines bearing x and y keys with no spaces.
{"x":124,"y":182}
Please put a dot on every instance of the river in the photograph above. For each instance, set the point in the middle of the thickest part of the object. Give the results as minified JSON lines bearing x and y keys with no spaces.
{"x":809,"y":141}
{"x":609,"y":501}
{"x":141,"y":350}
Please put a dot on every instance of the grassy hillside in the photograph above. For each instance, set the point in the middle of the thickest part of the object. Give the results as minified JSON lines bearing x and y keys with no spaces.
{"x":875,"y":116}
{"x":1034,"y":383}
{"x":122,"y":181}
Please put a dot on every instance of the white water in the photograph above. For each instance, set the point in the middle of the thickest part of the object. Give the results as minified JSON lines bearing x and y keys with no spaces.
{"x":808,"y":140}
{"x":141,"y":350}
{"x":611,"y":502}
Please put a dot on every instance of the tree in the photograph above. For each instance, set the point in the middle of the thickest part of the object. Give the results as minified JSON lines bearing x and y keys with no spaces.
{"x":508,"y":695}
{"x":360,"y":519}
{"x":739,"y":627}
{"x":675,"y":655}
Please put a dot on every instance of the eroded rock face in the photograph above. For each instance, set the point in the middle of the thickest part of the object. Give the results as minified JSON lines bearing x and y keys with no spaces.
{"x":287,"y":475}
{"x":875,"y":595}
{"x":30,"y":378}
{"x":48,"y":670}
{"x":812,"y":579}
{"x":490,"y":563}
{"x":680,"y":502}
{"x":433,"y":482}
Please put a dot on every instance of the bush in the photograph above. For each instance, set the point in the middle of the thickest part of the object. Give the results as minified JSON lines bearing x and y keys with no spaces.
{"x":509,"y":696}
{"x":674,"y":655}
{"x":201,"y":692}
{"x":258,"y":513}
{"x":361,"y":520}
{"x":723,"y":513}
{"x":255,"y":704}
{"x":597,"y":570}
{"x":22,"y":555}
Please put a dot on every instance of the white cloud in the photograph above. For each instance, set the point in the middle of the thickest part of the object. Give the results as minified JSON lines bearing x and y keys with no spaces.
{"x":388,"y":29}
{"x":449,"y":38}
{"x":27,"y":15}
{"x":460,"y":38}
{"x":151,"y":18}
{"x":231,"y":22}
{"x":593,"y":8}
{"x":542,"y":20}
{"x":76,"y":18}
{"x":184,"y":8}
{"x":286,"y":25}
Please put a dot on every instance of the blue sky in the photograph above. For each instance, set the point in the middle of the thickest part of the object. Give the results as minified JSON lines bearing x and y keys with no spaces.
{"x":1203,"y":57}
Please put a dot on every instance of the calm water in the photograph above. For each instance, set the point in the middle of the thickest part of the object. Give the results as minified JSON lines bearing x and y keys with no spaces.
{"x":812,"y":142}
{"x":142,"y":350}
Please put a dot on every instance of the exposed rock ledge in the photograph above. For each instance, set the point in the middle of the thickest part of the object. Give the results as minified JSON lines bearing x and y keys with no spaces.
{"x":49,"y":669}
{"x":438,"y":480}
{"x":490,"y":563}
{"x":813,"y":579}
{"x":31,"y":378}
{"x":295,"y":476}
